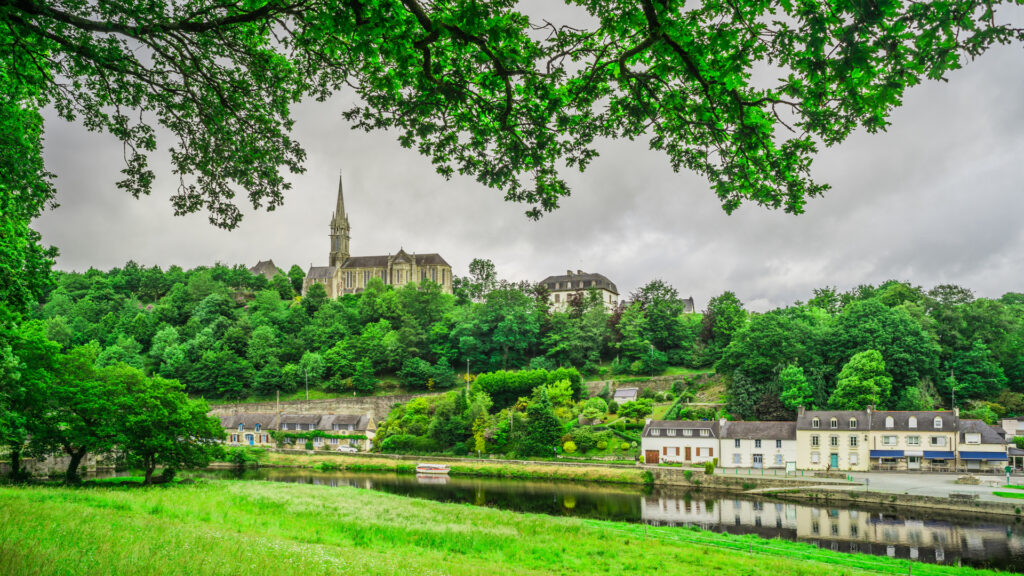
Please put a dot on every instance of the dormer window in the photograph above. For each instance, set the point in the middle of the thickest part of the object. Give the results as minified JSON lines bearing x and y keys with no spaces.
{"x":833,"y":423}
{"x":889,"y":422}
{"x":687,"y":432}
{"x":853,"y":423}
{"x":241,"y":427}
{"x":672,"y":432}
{"x":257,"y":427}
{"x":655,"y":432}
{"x":705,"y":432}
{"x":815,"y":423}
{"x":912,"y":422}
{"x":938,"y":423}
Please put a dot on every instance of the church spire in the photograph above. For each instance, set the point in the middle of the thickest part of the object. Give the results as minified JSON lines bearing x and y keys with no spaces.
{"x":339,"y":230}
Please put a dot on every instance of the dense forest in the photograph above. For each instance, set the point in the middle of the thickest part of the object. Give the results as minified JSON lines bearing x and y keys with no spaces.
{"x":226,"y":333}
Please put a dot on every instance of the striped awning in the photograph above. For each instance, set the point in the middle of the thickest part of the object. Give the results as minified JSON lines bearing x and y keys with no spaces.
{"x":887,"y":453}
{"x":983,"y":455}
{"x":933,"y":454}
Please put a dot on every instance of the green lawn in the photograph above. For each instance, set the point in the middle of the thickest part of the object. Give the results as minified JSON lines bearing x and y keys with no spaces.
{"x":1014,"y":486}
{"x":1019,"y":495}
{"x":225,"y":527}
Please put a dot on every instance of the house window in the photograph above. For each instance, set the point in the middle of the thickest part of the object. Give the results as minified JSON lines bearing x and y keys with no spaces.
{"x":655,"y":432}
{"x":672,"y":432}
{"x":556,"y":298}
{"x":737,"y":459}
{"x":815,"y":423}
{"x":814,"y":440}
{"x":737,"y":443}
{"x":853,"y":440}
{"x":889,"y":440}
{"x":705,"y":432}
{"x":778,"y":444}
{"x":687,"y":432}
{"x":912,"y":422}
{"x":241,"y":427}
{"x":972,"y":438}
{"x":318,"y":440}
{"x":938,"y":423}
{"x":833,"y":423}
{"x":757,"y":443}
{"x":833,"y":440}
{"x":778,"y":460}
{"x":889,"y":422}
{"x":913,"y":440}
{"x":336,"y":427}
{"x":853,"y":423}
{"x":938,"y":440}
{"x":257,"y":427}
{"x":334,"y":440}
{"x":815,"y":458}
{"x":854,"y":458}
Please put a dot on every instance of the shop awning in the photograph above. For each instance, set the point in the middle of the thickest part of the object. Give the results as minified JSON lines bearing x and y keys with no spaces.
{"x":935,"y":454}
{"x":887,"y":453}
{"x":983,"y":455}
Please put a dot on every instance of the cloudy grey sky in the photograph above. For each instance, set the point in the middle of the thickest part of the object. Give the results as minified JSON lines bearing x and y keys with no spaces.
{"x":936,"y":199}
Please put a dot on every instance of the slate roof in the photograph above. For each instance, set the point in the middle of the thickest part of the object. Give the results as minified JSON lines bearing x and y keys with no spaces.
{"x":989,"y":435}
{"x":626,"y":394}
{"x":248,"y":420}
{"x":300,"y":418}
{"x":320,"y":272}
{"x":589,"y":279}
{"x":760,"y":430}
{"x":901,"y":420}
{"x":357,"y":421}
{"x":688,"y":306}
{"x":682,"y":425}
{"x":265,"y":268}
{"x":382,"y":261}
{"x":803,"y":421}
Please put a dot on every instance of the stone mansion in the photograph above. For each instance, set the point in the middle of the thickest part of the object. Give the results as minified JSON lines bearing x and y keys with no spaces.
{"x":346,"y":274}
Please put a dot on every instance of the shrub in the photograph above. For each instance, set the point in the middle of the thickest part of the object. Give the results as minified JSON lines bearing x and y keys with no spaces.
{"x":648,"y":393}
{"x":309,"y":444}
{"x":602,"y":445}
{"x":415,"y":373}
{"x":624,"y":446}
{"x":597,"y":403}
{"x":709,"y":467}
{"x":677,"y":386}
{"x":569,"y":447}
{"x":613,"y":407}
{"x":584,"y":438}
{"x":688,"y":474}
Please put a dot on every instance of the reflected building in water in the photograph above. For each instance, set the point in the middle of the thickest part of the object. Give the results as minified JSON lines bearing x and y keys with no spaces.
{"x":842,"y":530}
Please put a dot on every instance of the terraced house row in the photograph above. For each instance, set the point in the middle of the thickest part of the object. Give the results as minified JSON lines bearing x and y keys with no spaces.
{"x":325,"y":431}
{"x":845,"y":440}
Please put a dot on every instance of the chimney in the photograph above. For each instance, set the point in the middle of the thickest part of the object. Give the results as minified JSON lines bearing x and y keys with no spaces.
{"x":580,"y":272}
{"x":799,"y":411}
{"x":568,"y":272}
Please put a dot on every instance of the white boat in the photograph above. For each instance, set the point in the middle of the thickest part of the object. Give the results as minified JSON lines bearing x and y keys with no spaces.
{"x":432,"y":469}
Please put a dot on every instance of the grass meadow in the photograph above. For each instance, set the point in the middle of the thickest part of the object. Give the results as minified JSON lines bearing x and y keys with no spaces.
{"x":235,"y":527}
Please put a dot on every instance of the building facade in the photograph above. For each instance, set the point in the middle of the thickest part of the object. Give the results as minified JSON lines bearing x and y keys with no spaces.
{"x":981,"y":448}
{"x":832,"y":439}
{"x":920,"y":440}
{"x":562,"y":289}
{"x":346,"y":274}
{"x":258,"y":428}
{"x":679,"y":441}
{"x":757,"y":444}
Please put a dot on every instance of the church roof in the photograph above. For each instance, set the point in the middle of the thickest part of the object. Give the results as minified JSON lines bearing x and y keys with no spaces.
{"x":265,"y":268}
{"x":589,"y":279}
{"x":382,"y":261}
{"x":320,"y":272}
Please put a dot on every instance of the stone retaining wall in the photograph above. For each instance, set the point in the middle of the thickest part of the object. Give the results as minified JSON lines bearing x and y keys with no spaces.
{"x":377,"y":406}
{"x":658,"y":383}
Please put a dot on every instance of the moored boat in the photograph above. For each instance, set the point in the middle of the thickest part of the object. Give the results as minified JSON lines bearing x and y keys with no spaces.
{"x":432,"y":469}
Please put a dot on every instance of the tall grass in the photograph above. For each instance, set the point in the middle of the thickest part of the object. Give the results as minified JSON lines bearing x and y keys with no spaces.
{"x":223,"y":527}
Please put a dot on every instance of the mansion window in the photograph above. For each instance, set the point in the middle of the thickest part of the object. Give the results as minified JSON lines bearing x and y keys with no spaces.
{"x":938,"y":423}
{"x":737,"y":443}
{"x":833,"y":423}
{"x":833,"y":440}
{"x":938,"y":440}
{"x":913,"y":440}
{"x":889,"y":422}
{"x":853,"y":441}
{"x":778,"y":443}
{"x":814,"y":440}
{"x":912,"y":422}
{"x":889,"y":440}
{"x":757,"y":443}
{"x":815,"y":423}
{"x":853,"y":423}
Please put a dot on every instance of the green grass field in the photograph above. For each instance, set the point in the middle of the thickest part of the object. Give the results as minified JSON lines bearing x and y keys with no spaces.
{"x":1019,"y":495}
{"x":225,"y":527}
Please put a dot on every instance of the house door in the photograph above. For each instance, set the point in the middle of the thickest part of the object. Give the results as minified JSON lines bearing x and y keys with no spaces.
{"x":249,"y":438}
{"x":651,"y":456}
{"x":687,"y":454}
{"x":834,"y":460}
{"x":758,"y":461}
{"x":913,"y":462}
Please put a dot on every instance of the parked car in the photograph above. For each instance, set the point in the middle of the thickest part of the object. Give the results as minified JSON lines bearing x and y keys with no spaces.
{"x":347,"y":449}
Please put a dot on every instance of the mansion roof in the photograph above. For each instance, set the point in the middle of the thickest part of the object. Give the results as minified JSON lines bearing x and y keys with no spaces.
{"x":579,"y":280}
{"x":711,"y":425}
{"x":759,"y":430}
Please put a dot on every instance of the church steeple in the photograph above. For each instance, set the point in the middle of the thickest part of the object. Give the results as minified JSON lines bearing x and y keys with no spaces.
{"x":339,"y":231}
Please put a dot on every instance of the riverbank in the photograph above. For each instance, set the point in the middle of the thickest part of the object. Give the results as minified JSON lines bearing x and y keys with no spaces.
{"x":461,"y":467}
{"x":221,"y":527}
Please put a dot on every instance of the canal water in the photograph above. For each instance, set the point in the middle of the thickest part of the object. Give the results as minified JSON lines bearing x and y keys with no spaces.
{"x":918,"y":535}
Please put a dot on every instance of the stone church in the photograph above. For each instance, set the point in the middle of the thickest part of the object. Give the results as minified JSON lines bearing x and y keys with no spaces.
{"x":347,"y":274}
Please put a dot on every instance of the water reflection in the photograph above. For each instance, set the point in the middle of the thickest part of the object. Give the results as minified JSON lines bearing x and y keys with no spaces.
{"x":943,"y":538}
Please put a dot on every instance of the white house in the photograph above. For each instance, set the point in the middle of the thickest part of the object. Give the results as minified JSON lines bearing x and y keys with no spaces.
{"x":562,"y":289}
{"x":679,"y":441}
{"x":757,"y":444}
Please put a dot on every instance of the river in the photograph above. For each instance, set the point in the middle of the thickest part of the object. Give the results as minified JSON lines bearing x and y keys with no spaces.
{"x":919,"y":535}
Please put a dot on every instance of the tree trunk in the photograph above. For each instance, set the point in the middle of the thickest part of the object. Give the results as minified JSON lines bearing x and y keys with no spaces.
{"x":149,"y":475}
{"x":16,"y":463}
{"x":71,"y":476}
